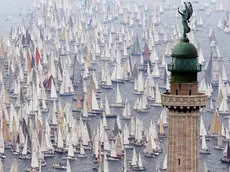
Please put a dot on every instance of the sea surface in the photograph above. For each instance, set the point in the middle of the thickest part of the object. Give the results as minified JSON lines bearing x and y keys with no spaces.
{"x":16,"y":12}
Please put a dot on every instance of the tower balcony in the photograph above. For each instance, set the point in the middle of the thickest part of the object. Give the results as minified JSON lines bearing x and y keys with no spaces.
{"x":184,"y":101}
{"x":184,"y":68}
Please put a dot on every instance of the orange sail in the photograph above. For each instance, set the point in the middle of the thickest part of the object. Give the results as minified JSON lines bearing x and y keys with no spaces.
{"x":89,"y":101}
{"x":100,"y":157}
{"x":162,"y":131}
{"x":28,"y":60}
{"x":37,"y":57}
{"x":15,"y":131}
{"x":89,"y":65}
{"x":215,"y":125}
{"x":92,"y":85}
{"x":7,"y":96}
{"x":79,"y":104}
{"x":60,"y":116}
{"x":6,"y":133}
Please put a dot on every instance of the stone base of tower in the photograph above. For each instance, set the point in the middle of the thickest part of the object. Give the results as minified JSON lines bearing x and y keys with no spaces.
{"x":183,"y":131}
{"x":183,"y":142}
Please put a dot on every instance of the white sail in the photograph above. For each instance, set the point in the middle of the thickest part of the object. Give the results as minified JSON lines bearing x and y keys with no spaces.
{"x":165,"y":163}
{"x":95,"y":105}
{"x":106,"y":142}
{"x":107,"y":108}
{"x":126,"y":112}
{"x":139,"y":160}
{"x":104,"y":120}
{"x":134,"y":158}
{"x":60,"y":143}
{"x":82,"y":150}
{"x":70,"y":150}
{"x":204,"y":144}
{"x":223,"y":106}
{"x":202,"y":127}
{"x":53,"y":90}
{"x":126,"y":135}
{"x":106,"y":165}
{"x":158,"y":95}
{"x":206,"y":167}
{"x":113,"y":150}
{"x":2,"y":145}
{"x":34,"y":160}
{"x":125,"y":169}
{"x":68,"y":168}
{"x":118,"y":95}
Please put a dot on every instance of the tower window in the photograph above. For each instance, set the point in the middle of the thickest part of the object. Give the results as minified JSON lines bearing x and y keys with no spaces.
{"x":178,"y":161}
{"x":190,"y":92}
{"x":176,"y":92}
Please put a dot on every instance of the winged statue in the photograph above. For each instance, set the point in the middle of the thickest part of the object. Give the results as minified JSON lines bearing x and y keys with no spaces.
{"x":186,"y":15}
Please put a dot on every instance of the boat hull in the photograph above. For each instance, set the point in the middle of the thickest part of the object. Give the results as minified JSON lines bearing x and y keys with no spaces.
{"x":117,"y":105}
{"x":219,"y":147}
{"x":225,"y":160}
{"x":205,"y":151}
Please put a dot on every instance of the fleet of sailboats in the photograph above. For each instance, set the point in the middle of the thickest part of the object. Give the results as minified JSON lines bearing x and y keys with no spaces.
{"x":100,"y":62}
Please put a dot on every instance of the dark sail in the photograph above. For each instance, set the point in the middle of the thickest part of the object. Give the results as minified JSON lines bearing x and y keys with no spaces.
{"x":228,"y":150}
{"x":146,"y":53}
{"x":136,"y":50}
{"x":47,"y":82}
{"x":208,"y":71}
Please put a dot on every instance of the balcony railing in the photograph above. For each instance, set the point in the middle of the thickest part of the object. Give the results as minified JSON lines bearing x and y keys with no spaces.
{"x":184,"y":68}
{"x":199,"y":100}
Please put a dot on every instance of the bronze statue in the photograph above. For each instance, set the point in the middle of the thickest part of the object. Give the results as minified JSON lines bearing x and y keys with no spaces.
{"x":186,"y":15}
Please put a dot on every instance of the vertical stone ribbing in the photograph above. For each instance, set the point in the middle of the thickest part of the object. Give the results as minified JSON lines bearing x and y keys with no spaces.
{"x":183,"y":142}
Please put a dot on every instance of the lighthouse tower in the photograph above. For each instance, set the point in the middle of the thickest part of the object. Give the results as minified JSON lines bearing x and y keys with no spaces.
{"x":184,"y":102}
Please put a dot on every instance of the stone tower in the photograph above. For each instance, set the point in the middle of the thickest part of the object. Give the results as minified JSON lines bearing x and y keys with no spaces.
{"x":184,"y":103}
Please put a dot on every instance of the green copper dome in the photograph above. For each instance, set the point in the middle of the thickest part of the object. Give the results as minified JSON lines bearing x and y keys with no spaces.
{"x":184,"y":66}
{"x":184,"y":49}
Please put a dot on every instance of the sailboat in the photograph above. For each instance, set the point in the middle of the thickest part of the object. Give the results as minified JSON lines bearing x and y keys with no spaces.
{"x":158,"y":97}
{"x":206,"y":167}
{"x":204,"y":147}
{"x":108,"y":113}
{"x":24,"y":154}
{"x":60,"y":143}
{"x":70,"y":154}
{"x":125,"y":168}
{"x":203,"y":129}
{"x":113,"y":153}
{"x":66,"y":86}
{"x":93,"y":106}
{"x":138,"y":166}
{"x":136,"y":50}
{"x":126,"y":114}
{"x":82,"y":152}
{"x":34,"y":162}
{"x":139,"y":84}
{"x":215,"y":128}
{"x":118,"y":101}
{"x":2,"y":144}
{"x":106,"y":82}
{"x":106,"y":165}
{"x":164,"y":118}
{"x":223,"y":109}
{"x":162,"y":131}
{"x":219,"y":144}
{"x":164,"y":168}
{"x":60,"y":166}
{"x":148,"y":151}
{"x":226,"y":154}
{"x":78,"y":104}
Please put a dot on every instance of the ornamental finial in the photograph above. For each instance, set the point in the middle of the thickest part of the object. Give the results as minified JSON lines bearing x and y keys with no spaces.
{"x":186,"y":15}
